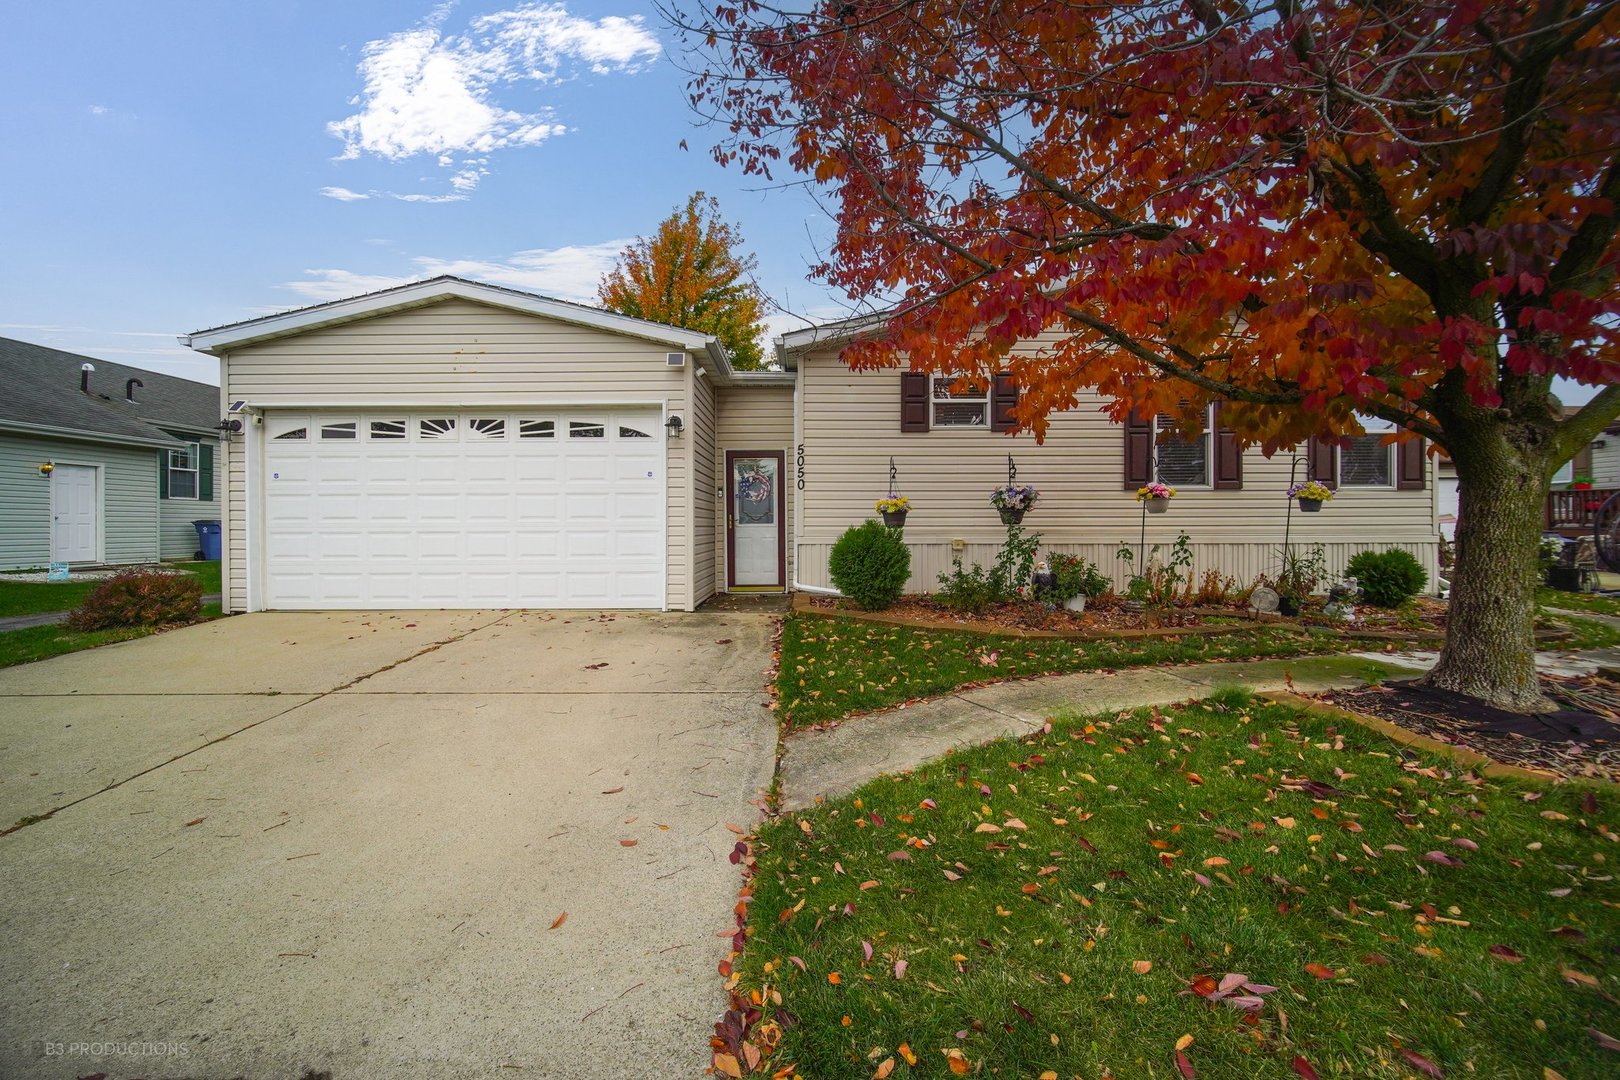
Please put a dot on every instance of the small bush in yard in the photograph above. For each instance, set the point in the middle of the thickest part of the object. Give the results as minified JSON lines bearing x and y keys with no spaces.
{"x":139,"y":598}
{"x":1387,"y":579}
{"x":870,"y":565}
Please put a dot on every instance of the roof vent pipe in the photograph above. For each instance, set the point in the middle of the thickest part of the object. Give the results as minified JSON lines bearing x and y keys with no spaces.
{"x":84,"y":377}
{"x":129,"y":389}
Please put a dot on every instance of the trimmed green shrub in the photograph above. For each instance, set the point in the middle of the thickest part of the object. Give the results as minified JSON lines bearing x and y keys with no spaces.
{"x":140,"y":598}
{"x":1387,"y":579}
{"x":870,"y":564}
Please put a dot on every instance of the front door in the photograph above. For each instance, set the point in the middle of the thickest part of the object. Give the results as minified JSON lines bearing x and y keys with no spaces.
{"x":74,"y":513}
{"x":755,"y":552}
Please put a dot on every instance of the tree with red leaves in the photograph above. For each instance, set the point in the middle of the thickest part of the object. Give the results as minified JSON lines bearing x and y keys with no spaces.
{"x":1317,"y":211}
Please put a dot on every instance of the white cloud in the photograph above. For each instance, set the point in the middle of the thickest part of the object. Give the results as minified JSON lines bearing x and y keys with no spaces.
{"x":343,"y":194}
{"x":323,"y":285}
{"x":99,"y":110}
{"x":428,"y":92}
{"x":566,"y":273}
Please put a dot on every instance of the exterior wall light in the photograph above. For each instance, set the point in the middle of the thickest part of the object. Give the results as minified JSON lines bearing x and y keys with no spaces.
{"x":674,"y":426}
{"x":46,"y":469}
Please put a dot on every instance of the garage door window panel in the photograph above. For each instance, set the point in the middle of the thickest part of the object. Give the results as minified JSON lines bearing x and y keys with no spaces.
{"x":537,"y":429}
{"x":387,"y":430}
{"x":486,"y":429}
{"x":587,"y":429}
{"x":436,"y":429}
{"x":340,"y":430}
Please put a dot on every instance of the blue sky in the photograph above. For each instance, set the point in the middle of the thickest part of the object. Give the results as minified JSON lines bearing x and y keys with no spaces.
{"x":176,"y":165}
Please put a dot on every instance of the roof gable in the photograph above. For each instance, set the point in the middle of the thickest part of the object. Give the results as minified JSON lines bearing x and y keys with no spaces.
{"x":221,"y":339}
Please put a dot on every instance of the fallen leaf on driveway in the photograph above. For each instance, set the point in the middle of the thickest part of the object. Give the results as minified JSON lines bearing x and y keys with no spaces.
{"x":599,"y":667}
{"x":628,"y":843}
{"x":195,"y":821}
{"x":614,"y":790}
{"x":726,"y":1065}
{"x":559,"y":920}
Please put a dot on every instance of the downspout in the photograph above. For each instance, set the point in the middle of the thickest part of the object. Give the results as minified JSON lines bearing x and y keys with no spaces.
{"x":798,"y":517}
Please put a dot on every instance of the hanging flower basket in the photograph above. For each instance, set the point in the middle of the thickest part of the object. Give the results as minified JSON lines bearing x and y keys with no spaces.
{"x":1012,"y":501}
{"x":1311,"y":496}
{"x":894,"y":509}
{"x":1155,"y":497}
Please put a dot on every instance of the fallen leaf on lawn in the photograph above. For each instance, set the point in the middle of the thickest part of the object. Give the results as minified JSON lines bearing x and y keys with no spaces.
{"x":1442,"y":858}
{"x":1284,"y":822}
{"x":884,"y":1069}
{"x":1303,"y":1068}
{"x":559,"y":920}
{"x":726,"y":1065}
{"x":1578,"y":978}
{"x":869,"y":885}
{"x":1503,"y":952}
{"x":1608,"y":1042}
{"x":958,"y":1063}
{"x":986,"y":826}
{"x":834,"y":978}
{"x":798,"y":963}
{"x":1142,"y":966}
{"x":1551,"y":1074}
{"x":900,"y":973}
{"x":1194,"y":778}
{"x":1184,"y":1042}
{"x":899,"y":856}
{"x":1422,"y":1064}
{"x":951,"y":876}
{"x":906,"y":1052}
{"x":866,"y":949}
{"x":1030,"y":888}
{"x":929,"y":804}
{"x":1014,"y":823}
{"x":1321,"y":971}
{"x":628,"y":843}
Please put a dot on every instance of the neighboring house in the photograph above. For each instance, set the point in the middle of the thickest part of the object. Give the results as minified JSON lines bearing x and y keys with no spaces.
{"x":130,"y":455}
{"x":452,"y":444}
{"x":1568,"y":511}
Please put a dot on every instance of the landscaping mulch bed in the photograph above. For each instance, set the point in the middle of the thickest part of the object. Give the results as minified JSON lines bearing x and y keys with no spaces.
{"x":1101,"y":615}
{"x":1579,"y":741}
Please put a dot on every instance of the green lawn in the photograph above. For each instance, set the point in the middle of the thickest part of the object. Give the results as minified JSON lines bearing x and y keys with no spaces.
{"x":42,"y":642}
{"x":832,"y":667}
{"x":36,"y":597}
{"x":1557,"y":598}
{"x":1069,"y":904}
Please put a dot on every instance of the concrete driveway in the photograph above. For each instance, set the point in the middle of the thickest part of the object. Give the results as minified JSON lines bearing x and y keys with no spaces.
{"x":338,"y":842}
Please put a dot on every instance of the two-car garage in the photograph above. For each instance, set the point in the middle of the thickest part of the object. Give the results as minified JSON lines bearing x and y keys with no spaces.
{"x":487,"y":508}
{"x":450,"y":444}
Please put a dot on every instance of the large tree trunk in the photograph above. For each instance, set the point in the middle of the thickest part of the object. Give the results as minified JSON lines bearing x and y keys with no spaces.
{"x":1490,"y":649}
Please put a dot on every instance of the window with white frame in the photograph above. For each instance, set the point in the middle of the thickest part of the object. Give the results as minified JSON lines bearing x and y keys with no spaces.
{"x":1366,"y":460}
{"x":1177,"y":461}
{"x":183,"y":472}
{"x":965,"y":408}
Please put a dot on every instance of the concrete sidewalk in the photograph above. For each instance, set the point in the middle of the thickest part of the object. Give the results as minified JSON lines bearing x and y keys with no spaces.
{"x":821,"y":764}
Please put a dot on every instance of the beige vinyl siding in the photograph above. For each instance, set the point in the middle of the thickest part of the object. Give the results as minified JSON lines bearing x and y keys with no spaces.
{"x":457,"y":352}
{"x":1606,"y":461}
{"x":852,"y":426}
{"x":129,"y":502}
{"x":700,"y":439}
{"x":179,"y":535}
{"x":755,"y":418}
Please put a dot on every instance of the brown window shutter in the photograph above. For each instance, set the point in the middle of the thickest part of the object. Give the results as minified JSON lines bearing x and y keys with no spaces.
{"x":1138,"y":453}
{"x":1003,"y":397}
{"x":913,"y":401}
{"x":1410,"y":460}
{"x":1228,"y":464}
{"x":1322,"y":463}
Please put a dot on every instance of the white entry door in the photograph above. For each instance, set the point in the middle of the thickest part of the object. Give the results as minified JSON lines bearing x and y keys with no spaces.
{"x":75,"y":513}
{"x":496,"y":508}
{"x":754,"y":537}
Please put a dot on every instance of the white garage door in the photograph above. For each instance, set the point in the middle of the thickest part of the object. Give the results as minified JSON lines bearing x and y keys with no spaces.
{"x":463,"y":509}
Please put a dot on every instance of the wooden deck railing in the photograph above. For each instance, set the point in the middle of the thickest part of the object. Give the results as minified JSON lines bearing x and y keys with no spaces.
{"x":1575,"y":509}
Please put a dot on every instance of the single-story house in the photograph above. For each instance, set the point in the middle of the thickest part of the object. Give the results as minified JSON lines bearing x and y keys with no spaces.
{"x":448,"y":443}
{"x":101,"y":463}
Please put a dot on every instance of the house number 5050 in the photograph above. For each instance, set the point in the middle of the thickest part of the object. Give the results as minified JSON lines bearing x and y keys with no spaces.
{"x":800,"y":480}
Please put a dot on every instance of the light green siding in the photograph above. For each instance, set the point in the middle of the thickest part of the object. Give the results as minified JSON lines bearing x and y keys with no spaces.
{"x":179,"y":535}
{"x":129,"y":502}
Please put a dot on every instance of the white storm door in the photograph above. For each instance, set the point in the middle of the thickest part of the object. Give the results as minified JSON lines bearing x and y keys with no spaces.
{"x":754,"y":518}
{"x":74,"y":513}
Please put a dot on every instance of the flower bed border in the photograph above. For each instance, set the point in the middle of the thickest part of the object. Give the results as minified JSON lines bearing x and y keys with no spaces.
{"x":1462,"y":755}
{"x":804,"y":603}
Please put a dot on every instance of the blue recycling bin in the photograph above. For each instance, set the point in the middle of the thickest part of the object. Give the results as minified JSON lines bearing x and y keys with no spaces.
{"x":208,"y":539}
